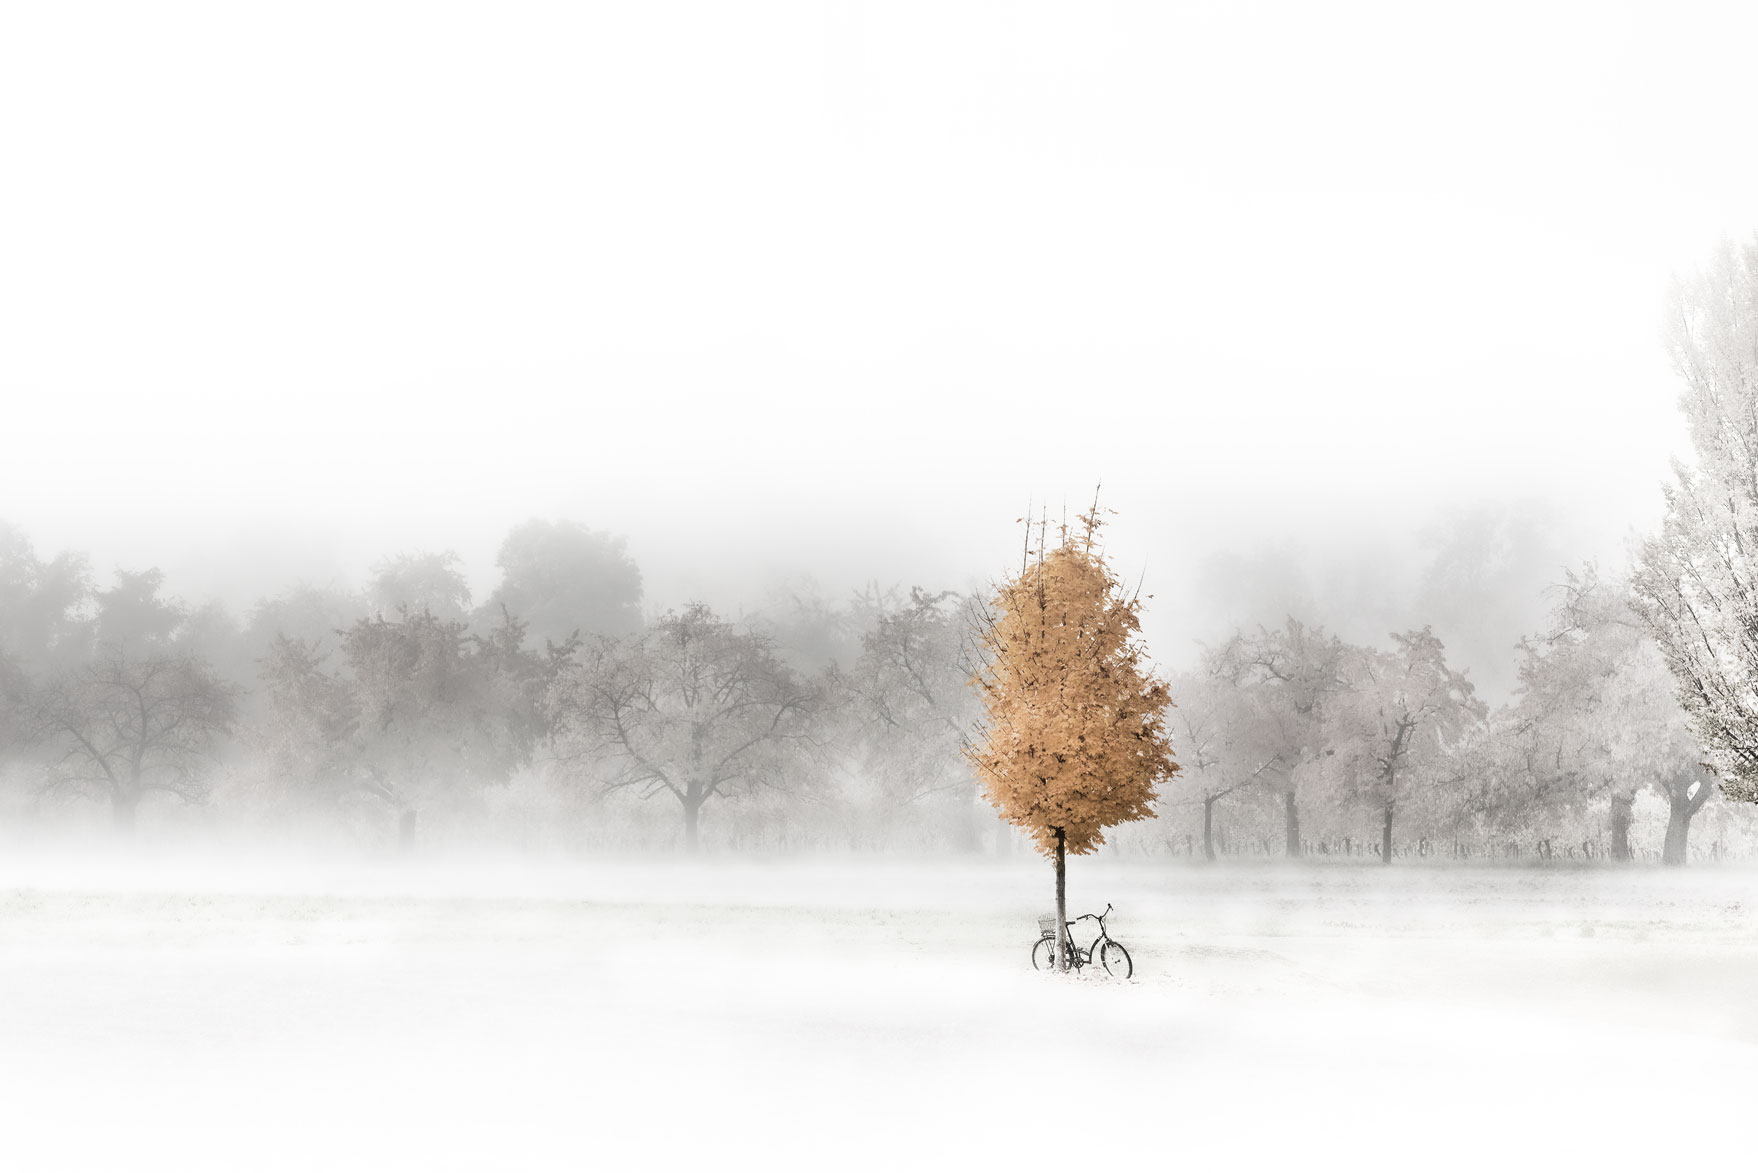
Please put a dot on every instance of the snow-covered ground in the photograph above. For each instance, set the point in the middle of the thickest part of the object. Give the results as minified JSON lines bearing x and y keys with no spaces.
{"x":869,"y":1014}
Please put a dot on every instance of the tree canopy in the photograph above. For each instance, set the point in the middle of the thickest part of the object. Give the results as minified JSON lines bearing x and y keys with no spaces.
{"x":1077,"y":738}
{"x":1696,"y":582}
{"x":694,"y":708}
{"x":562,"y":579}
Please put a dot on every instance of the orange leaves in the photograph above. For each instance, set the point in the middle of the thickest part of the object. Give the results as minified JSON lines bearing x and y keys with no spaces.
{"x":1076,"y":736}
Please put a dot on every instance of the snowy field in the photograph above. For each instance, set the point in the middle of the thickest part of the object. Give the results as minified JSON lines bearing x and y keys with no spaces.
{"x":876,"y":1014}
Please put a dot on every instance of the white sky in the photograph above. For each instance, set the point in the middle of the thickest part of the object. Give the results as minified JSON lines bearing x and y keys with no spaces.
{"x":835,"y":288}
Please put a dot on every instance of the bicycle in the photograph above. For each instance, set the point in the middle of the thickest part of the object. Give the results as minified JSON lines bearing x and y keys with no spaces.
{"x":1104,"y":951}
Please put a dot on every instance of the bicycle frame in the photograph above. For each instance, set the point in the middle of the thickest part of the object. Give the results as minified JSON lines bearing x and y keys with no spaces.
{"x":1103,"y":951}
{"x":1090,"y":954}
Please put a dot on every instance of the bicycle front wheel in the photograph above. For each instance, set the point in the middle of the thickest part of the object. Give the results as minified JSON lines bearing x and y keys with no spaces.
{"x":1115,"y":959}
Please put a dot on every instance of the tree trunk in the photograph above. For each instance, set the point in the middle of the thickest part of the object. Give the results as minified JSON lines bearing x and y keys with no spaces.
{"x":1683,"y":803}
{"x":1386,"y":836}
{"x":691,"y":839}
{"x":1209,"y":828}
{"x":406,"y":829}
{"x":1061,"y":901}
{"x":1621,"y":814}
{"x":1290,"y":826}
{"x":122,"y":808}
{"x":1678,"y":833}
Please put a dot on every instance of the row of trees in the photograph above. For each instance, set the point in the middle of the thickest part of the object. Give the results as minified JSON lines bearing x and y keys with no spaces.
{"x":396,"y":693}
{"x":1299,"y":721}
{"x":403,"y":699}
{"x":1645,"y":685}
{"x":803,"y":722}
{"x":859,"y":722}
{"x":857,"y":736}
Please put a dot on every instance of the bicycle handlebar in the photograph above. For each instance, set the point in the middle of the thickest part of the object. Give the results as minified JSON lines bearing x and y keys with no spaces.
{"x":1098,"y":916}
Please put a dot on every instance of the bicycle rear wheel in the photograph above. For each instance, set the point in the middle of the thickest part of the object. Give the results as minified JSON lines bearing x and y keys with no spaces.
{"x":1044,"y":954}
{"x":1115,"y":959}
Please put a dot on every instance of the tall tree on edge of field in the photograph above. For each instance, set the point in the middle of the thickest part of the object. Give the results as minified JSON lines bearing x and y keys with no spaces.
{"x":1076,"y":739}
{"x":1696,"y":582}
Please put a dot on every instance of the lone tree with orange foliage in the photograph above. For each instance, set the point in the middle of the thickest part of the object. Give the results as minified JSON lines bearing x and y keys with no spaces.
{"x":1076,"y":738}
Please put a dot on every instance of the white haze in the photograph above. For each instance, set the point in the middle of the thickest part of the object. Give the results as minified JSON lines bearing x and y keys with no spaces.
{"x":835,"y":290}
{"x":1355,"y":310}
{"x":867,"y":1015}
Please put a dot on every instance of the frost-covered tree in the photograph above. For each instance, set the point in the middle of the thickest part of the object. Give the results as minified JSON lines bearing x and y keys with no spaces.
{"x":908,"y":701}
{"x":314,"y":615}
{"x":45,"y":628}
{"x":128,"y":724}
{"x":408,"y":711}
{"x":14,"y":695}
{"x":808,"y":632}
{"x":1559,"y":733}
{"x":1596,"y":720}
{"x":1495,"y":784}
{"x":563,"y":579}
{"x":1298,"y":671}
{"x":1400,"y":713}
{"x":1233,"y":734}
{"x":421,"y":582}
{"x":136,"y":615}
{"x":45,"y":605}
{"x":128,"y":699}
{"x":1076,"y":738}
{"x":693,"y":707}
{"x":1696,"y":582}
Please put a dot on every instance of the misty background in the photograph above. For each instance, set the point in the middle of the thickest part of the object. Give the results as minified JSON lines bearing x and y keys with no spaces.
{"x":812,"y":291}
{"x":353,"y":355}
{"x":1354,"y":313}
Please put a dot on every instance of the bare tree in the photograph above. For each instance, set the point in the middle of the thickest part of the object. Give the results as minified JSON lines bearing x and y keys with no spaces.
{"x":1401,"y":708}
{"x":693,"y":707}
{"x":418,"y":710}
{"x":1300,"y":670}
{"x":913,"y":713}
{"x":127,"y":725}
{"x":1232,"y":736}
